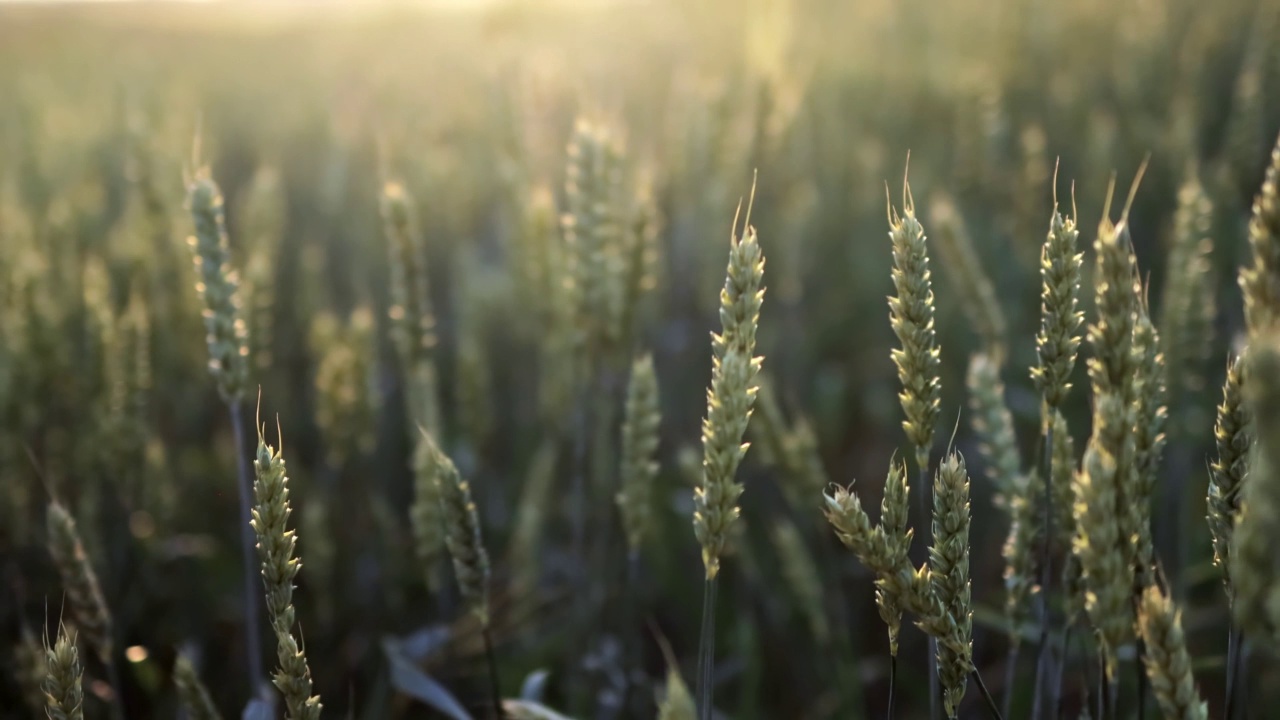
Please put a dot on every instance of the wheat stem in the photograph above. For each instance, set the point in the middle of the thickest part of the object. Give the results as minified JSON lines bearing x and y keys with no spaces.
{"x":248,"y":541}
{"x":1235,"y":641}
{"x":707,"y":649}
{"x":494,"y":688}
{"x":986,"y":694}
{"x":1046,"y":562}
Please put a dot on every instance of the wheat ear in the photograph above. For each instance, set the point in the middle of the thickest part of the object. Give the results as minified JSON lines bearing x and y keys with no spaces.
{"x":1168,"y":663}
{"x":63,"y":683}
{"x":194,"y":695}
{"x":276,"y":545}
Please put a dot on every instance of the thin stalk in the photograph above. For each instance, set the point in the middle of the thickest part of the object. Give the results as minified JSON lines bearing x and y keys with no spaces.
{"x":631,"y":624}
{"x":1042,"y":658}
{"x":1055,"y":694}
{"x":926,"y":501}
{"x":1010,"y":674}
{"x":253,"y":637}
{"x":893,"y":682}
{"x":1234,"y":643}
{"x":495,"y":692}
{"x":707,"y":650}
{"x":986,"y":694}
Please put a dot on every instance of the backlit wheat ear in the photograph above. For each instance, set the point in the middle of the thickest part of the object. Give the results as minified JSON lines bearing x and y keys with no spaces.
{"x":195,"y":697}
{"x":462,"y":530}
{"x":801,"y":573}
{"x":426,"y":514}
{"x":593,"y":230}
{"x":1187,"y":307}
{"x":1014,"y":488}
{"x":225,"y":330}
{"x":911,"y":316}
{"x":84,"y":595}
{"x":1260,"y":281}
{"x":639,"y":452}
{"x":1168,"y":663}
{"x":1232,"y":437}
{"x":729,"y":400}
{"x":1105,"y":567}
{"x":894,"y":510}
{"x":949,"y":566}
{"x":63,"y":684}
{"x":412,"y":319}
{"x":970,"y":280}
{"x":1149,"y":438}
{"x":276,"y":545}
{"x":1253,"y":565}
{"x":1058,"y":341}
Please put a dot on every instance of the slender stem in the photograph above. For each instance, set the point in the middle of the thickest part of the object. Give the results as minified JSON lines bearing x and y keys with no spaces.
{"x":253,"y":637}
{"x":631,"y":624}
{"x":1046,"y":561}
{"x":1234,"y":643}
{"x":1010,"y":673}
{"x":1055,"y":694}
{"x":986,"y":694}
{"x":1104,"y":689}
{"x":494,"y":689}
{"x":935,"y":689}
{"x":893,"y":682}
{"x":707,"y":650}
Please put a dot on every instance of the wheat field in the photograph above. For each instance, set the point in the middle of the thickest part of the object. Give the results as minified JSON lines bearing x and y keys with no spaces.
{"x":789,"y":359}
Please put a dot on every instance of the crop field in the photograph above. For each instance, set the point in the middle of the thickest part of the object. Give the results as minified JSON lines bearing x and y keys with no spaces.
{"x":610,"y":359}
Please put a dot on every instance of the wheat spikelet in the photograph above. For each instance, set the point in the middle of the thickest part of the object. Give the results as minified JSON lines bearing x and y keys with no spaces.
{"x":1252,"y":556}
{"x":1233,"y":439}
{"x":894,"y":511}
{"x":949,"y":566}
{"x":730,"y":397}
{"x":1187,"y":306}
{"x":593,"y":231}
{"x":63,"y":683}
{"x":411,"y":316}
{"x":1149,"y":438}
{"x":639,"y":451}
{"x":461,"y":530}
{"x":911,"y":316}
{"x":276,"y":545}
{"x":802,"y":578}
{"x":225,"y":330}
{"x":84,"y":595}
{"x":1168,"y":663}
{"x":1058,"y":341}
{"x":1260,"y":281}
{"x":1106,"y":570}
{"x":195,"y":697}
{"x":971,"y":282}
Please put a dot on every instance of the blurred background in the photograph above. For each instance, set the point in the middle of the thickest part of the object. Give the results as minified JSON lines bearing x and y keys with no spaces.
{"x":303,"y":111}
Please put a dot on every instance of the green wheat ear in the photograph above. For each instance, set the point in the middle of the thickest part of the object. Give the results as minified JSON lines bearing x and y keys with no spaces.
{"x":1252,"y":558}
{"x":1166,"y":657}
{"x":1260,"y":281}
{"x":84,"y":594}
{"x":731,"y":396}
{"x":193,"y":694}
{"x":639,"y":452}
{"x":1227,"y":474}
{"x":63,"y":684}
{"x":276,"y":546}
{"x":1058,"y":341}
{"x":911,"y":316}
{"x":217,"y":285}
{"x":949,"y":572}
{"x":461,"y":529}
